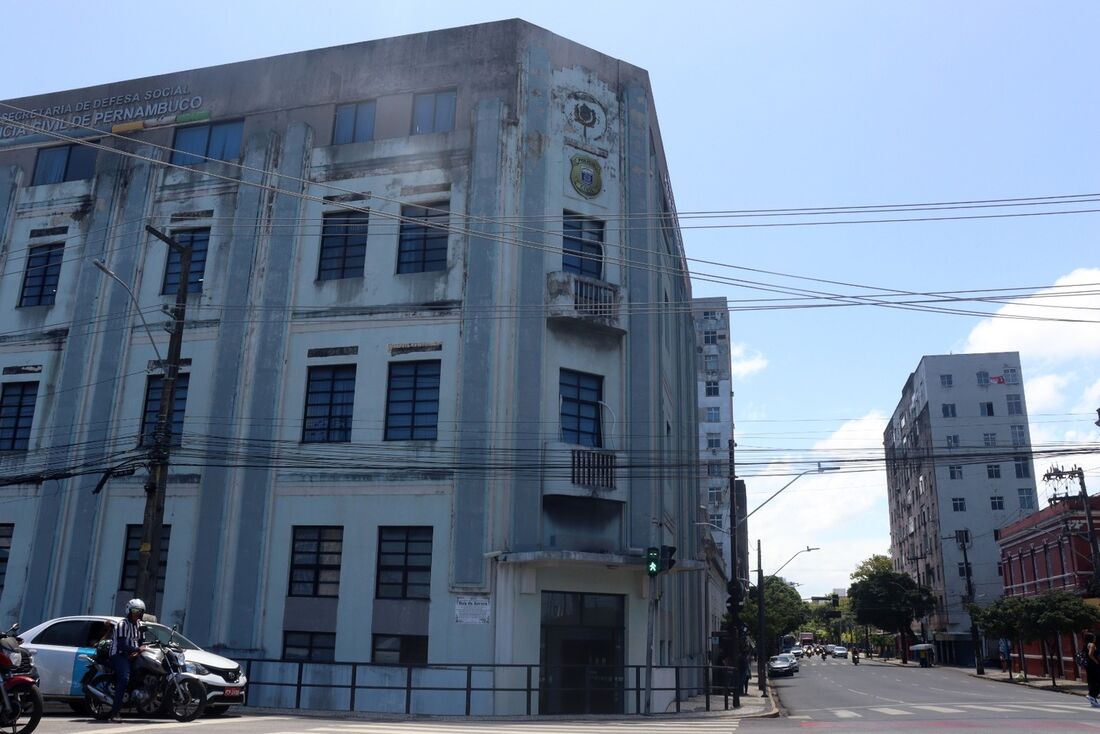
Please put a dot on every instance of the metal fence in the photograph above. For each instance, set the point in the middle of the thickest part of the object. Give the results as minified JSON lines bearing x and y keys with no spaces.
{"x":476,"y":689}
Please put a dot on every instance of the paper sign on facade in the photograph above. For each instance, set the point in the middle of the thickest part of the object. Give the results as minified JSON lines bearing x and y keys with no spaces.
{"x":472,"y":610}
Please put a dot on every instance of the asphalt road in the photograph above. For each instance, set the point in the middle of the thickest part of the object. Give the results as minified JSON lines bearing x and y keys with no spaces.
{"x":876,"y":696}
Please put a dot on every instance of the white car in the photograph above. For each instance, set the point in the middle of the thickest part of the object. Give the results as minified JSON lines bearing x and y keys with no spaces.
{"x":60,"y":642}
{"x":840,"y":652}
{"x":796,"y":651}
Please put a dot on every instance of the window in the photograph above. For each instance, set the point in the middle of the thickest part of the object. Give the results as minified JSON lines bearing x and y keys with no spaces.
{"x":1027,"y":498}
{"x":7,"y":530}
{"x":434,"y":112}
{"x":354,"y":123}
{"x":404,"y":562}
{"x":985,"y":409}
{"x":714,"y":440}
{"x":714,"y":415}
{"x":343,"y":245}
{"x":422,"y":245}
{"x":131,"y":556}
{"x":962,"y":537}
{"x":412,"y":401}
{"x":716,"y":520}
{"x":964,"y":569}
{"x":154,"y":388}
{"x":1012,"y":376}
{"x":948,"y":410}
{"x":710,"y":336}
{"x":712,"y":388}
{"x":989,"y":440}
{"x":983,"y":378}
{"x":317,"y":647}
{"x":1015,"y":404}
{"x":714,"y":468}
{"x":955,"y":471}
{"x":63,"y":163}
{"x":70,"y":633}
{"x":41,"y":276}
{"x":1019,"y":435}
{"x":952,"y":440}
{"x":1023,"y":467}
{"x":714,"y":496}
{"x":997,"y":502}
{"x":330,"y":404}
{"x":946,"y":381}
{"x":316,"y":551}
{"x":17,"y":414}
{"x":582,"y":245}
{"x":581,"y":396}
{"x":220,"y":141}
{"x":710,"y":362}
{"x":993,"y":471}
{"x":399,"y":649}
{"x":710,"y":315}
{"x":958,"y":504}
{"x":199,"y":241}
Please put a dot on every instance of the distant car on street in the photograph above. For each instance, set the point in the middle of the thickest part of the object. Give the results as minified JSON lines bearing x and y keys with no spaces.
{"x":840,"y":652}
{"x":796,"y":651}
{"x":60,"y":642}
{"x":830,"y":648}
{"x":782,"y":664}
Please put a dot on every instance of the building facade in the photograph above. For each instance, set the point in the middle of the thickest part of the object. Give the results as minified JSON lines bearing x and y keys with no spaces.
{"x":1049,"y":551}
{"x":418,"y":414}
{"x":958,"y":466}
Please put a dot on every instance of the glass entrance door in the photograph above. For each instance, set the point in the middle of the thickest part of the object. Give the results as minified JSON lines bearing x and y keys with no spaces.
{"x":581,"y":656}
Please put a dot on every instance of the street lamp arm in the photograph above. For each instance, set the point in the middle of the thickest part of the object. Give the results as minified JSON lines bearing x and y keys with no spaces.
{"x":796,"y":555}
{"x":819,"y":469}
{"x":137,"y":306}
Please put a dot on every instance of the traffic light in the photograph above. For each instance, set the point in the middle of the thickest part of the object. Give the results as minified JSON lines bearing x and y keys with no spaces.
{"x":653,"y":561}
{"x":668,"y":557}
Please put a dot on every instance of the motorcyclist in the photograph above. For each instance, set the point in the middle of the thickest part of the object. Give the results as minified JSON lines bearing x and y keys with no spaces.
{"x":855,"y":656}
{"x":125,"y":647}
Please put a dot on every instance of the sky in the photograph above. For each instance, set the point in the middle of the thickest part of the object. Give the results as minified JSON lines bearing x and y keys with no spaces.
{"x":786,"y":105}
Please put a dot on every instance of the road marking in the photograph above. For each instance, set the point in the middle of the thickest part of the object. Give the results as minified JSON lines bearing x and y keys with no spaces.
{"x":980,"y":707}
{"x":939,"y":709}
{"x":893,"y":712}
{"x":132,"y":727}
{"x":845,"y":714}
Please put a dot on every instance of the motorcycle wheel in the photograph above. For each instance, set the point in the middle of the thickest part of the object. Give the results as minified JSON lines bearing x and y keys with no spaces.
{"x":100,"y":710}
{"x":187,"y":701}
{"x":26,"y":710}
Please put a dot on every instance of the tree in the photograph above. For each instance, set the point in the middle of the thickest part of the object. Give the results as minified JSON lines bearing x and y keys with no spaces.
{"x":875,"y":564}
{"x":1003,"y":619}
{"x":889,"y":601}
{"x":1048,"y":615}
{"x":784,"y":611}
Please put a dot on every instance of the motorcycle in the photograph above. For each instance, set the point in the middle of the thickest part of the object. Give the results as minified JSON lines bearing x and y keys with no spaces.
{"x":855,"y":658}
{"x":20,"y":699}
{"x":161,"y":682}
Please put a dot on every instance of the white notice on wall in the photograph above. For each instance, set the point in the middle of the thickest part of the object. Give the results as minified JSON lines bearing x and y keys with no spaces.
{"x":472,"y":610}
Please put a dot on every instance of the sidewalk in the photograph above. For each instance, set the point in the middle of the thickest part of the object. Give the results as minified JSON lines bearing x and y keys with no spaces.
{"x":753,"y":705}
{"x":1072,"y":687}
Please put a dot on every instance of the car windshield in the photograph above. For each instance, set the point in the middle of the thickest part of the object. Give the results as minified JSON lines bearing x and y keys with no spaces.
{"x":165,"y":636}
{"x":784,"y":658}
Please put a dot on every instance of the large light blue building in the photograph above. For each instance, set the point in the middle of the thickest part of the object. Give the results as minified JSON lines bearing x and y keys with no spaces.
{"x":439,"y":357}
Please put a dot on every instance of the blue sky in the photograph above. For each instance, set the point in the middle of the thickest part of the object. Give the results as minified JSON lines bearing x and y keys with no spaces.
{"x":779,"y":105}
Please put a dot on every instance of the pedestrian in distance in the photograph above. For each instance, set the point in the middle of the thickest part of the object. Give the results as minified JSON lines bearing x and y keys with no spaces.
{"x":746,"y":675}
{"x":1092,"y":669}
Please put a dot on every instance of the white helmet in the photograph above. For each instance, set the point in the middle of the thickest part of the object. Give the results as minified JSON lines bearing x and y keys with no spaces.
{"x":133,"y":604}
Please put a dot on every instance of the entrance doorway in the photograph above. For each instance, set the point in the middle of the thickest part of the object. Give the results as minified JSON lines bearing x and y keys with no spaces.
{"x":581,"y":653}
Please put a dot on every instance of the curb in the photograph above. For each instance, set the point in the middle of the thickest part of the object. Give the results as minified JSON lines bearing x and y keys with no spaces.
{"x":1046,"y":687}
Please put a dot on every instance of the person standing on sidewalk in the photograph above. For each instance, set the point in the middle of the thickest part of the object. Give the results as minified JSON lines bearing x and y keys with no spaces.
{"x":1092,"y":669}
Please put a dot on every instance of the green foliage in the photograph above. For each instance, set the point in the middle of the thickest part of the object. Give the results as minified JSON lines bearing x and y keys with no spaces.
{"x":784,"y":611}
{"x":888,"y":600}
{"x":875,"y":564}
{"x":1001,"y":619}
{"x":1055,"y":612}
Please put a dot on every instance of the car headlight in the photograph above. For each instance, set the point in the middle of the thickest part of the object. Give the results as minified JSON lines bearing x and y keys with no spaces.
{"x":195,"y":668}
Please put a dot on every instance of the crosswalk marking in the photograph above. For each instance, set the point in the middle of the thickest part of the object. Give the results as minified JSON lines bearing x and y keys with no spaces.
{"x":892,"y":712}
{"x":679,"y":726}
{"x":981,"y":707}
{"x":846,"y":714}
{"x":939,"y":709}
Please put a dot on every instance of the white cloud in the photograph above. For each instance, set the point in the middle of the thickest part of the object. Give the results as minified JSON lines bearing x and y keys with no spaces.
{"x":1046,"y":393}
{"x":1090,"y":399}
{"x":1046,"y":341}
{"x":844,"y":513}
{"x":744,"y":363}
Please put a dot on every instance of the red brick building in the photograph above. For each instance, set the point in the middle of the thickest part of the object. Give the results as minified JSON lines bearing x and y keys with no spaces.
{"x":1049,"y":550}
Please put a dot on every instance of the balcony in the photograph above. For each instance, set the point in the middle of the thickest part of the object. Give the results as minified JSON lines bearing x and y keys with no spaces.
{"x":580,"y":471}
{"x":578,"y":299}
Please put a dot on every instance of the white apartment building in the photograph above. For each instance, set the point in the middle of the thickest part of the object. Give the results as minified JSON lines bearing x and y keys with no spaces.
{"x":959,"y":466}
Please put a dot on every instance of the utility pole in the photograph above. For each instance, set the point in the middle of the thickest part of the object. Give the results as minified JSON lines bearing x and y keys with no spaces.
{"x":1079,"y":473}
{"x":761,"y":664}
{"x":736,"y":595}
{"x":963,"y":538}
{"x":157,"y":486}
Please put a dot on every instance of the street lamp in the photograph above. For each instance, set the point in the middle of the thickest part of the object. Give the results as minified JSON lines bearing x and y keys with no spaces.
{"x":819,"y":469}
{"x":137,"y":306}
{"x":761,"y":665}
{"x":807,"y":549}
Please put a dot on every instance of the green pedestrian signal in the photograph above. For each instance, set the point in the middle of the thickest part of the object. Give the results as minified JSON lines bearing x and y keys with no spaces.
{"x":653,"y":561}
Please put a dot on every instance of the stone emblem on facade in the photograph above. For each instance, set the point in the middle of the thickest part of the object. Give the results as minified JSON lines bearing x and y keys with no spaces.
{"x":586,"y":176}
{"x":587,"y":116}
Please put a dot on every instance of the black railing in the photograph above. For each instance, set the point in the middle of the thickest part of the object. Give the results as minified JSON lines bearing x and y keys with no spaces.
{"x":558,"y":689}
